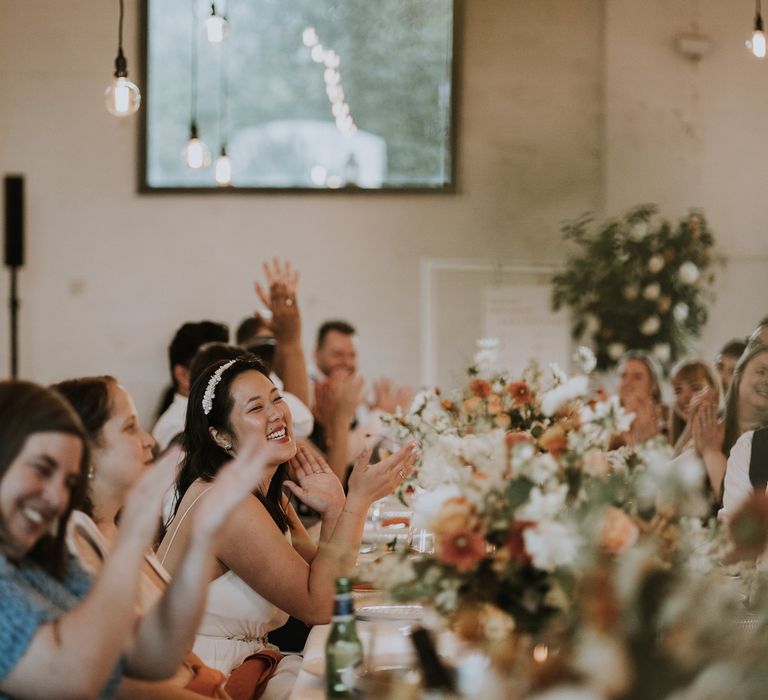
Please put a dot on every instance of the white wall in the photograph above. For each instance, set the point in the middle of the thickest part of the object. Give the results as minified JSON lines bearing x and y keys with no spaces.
{"x":111,"y":273}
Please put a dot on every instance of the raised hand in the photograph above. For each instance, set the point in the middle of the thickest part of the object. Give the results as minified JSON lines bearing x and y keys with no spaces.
{"x":708,"y":432}
{"x":318,"y":487}
{"x":338,"y":397}
{"x":140,"y":516}
{"x":280,"y":298}
{"x":388,"y":397}
{"x":370,"y":482}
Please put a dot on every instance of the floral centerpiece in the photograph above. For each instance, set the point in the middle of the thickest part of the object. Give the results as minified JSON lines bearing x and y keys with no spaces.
{"x":518,"y":486}
{"x":637,"y":282}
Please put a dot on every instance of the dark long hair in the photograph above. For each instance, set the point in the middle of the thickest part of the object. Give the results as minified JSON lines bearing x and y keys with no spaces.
{"x":26,"y":409}
{"x":203,"y":457}
{"x":90,"y":397}
{"x":732,"y":417}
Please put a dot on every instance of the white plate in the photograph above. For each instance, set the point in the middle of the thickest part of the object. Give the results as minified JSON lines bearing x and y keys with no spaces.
{"x":409,"y":613}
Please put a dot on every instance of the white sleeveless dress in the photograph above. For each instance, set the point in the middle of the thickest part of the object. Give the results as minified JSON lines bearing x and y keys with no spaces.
{"x":235,"y":625}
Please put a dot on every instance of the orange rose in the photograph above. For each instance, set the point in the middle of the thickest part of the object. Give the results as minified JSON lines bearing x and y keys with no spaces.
{"x":480,"y":387}
{"x":472,"y":404}
{"x":554,"y":440}
{"x":520,"y":392}
{"x":618,"y":532}
{"x":456,"y":515}
{"x":462,"y":550}
{"x":493,"y":405}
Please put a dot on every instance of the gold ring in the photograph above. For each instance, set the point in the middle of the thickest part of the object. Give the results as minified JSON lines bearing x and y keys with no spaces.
{"x":289,"y":302}
{"x":401,"y":474}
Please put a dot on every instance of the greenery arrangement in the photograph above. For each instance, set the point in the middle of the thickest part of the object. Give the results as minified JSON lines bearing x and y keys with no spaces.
{"x":637,"y":282}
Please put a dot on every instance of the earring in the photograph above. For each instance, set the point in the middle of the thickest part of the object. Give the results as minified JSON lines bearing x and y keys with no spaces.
{"x":90,"y":472}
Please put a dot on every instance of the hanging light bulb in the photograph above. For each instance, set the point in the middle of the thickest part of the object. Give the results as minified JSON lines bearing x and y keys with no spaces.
{"x":215,"y":26}
{"x":223,"y":168}
{"x":122,"y":97}
{"x":195,"y":154}
{"x":757,"y":44}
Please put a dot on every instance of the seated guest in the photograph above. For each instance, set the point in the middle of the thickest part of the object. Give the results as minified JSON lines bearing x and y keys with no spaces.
{"x":281,"y":572}
{"x":726,"y":360}
{"x":61,"y":635}
{"x":695,"y":428}
{"x":639,"y":391}
{"x":693,"y":381}
{"x":214,"y":352}
{"x":120,"y":452}
{"x":344,"y":421}
{"x":746,"y":411}
{"x":182,"y":349}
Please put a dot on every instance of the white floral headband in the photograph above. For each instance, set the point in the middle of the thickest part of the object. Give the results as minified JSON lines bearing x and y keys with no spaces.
{"x":210,"y":389}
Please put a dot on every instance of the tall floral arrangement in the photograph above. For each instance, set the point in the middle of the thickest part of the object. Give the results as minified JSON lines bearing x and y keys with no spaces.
{"x":637,"y":282}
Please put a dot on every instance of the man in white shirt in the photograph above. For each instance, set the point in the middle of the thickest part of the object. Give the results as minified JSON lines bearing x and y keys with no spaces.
{"x":182,"y":349}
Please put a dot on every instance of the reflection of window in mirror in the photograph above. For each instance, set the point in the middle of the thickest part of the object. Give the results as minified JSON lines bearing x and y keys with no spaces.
{"x":298,"y":94}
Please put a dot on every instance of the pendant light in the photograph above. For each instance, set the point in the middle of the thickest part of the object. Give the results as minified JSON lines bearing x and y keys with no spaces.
{"x":195,"y":154}
{"x":757,"y":43}
{"x":223,"y":165}
{"x":122,"y":97}
{"x":215,"y":26}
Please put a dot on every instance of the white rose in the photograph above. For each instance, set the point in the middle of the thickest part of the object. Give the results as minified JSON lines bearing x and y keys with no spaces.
{"x":631,"y":291}
{"x":638,"y":231}
{"x":616,"y":350}
{"x":688,"y":272}
{"x":551,"y":544}
{"x":680,"y":312}
{"x":656,"y":264}
{"x":650,"y":326}
{"x":591,"y":323}
{"x":662,"y":352}
{"x":652,"y":291}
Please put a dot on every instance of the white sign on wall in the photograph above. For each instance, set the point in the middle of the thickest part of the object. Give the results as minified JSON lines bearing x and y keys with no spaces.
{"x":519,"y":315}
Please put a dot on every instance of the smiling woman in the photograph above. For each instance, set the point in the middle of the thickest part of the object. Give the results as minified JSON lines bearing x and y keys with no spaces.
{"x":267,"y":566}
{"x":50,"y":619}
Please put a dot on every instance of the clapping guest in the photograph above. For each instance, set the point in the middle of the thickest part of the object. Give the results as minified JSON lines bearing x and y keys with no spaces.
{"x":746,"y":412}
{"x":62,"y":636}
{"x":639,"y":391}
{"x":726,"y":360}
{"x":695,"y":427}
{"x":344,"y":420}
{"x":280,"y":572}
{"x":693,"y":382}
{"x":121,"y":451}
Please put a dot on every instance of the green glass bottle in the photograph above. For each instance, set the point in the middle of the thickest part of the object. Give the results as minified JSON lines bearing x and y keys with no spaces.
{"x":343,"y":649}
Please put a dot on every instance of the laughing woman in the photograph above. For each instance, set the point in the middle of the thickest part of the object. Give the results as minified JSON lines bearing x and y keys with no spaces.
{"x":267,"y":567}
{"x":54,"y":621}
{"x":121,"y":450}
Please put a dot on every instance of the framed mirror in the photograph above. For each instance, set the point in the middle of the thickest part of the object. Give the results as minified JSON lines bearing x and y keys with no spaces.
{"x":307,"y":95}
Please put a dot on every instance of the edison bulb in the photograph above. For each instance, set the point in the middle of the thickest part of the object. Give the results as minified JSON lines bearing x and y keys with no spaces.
{"x":122,"y":97}
{"x":196,"y":154}
{"x":757,"y":45}
{"x":223,"y":172}
{"x":215,"y":28}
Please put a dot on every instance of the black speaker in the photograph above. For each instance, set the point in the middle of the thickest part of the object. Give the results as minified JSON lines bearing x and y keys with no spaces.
{"x":14,"y":220}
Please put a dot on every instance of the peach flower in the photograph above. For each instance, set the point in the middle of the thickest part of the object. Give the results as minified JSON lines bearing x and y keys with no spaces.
{"x":554,"y":440}
{"x":618,"y":532}
{"x":463,"y":549}
{"x":493,"y":406}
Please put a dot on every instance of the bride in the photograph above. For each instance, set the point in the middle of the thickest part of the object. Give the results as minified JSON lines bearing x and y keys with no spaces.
{"x":267,"y":566}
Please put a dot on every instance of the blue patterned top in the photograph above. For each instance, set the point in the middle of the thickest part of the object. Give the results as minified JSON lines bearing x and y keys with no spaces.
{"x":31,"y":597}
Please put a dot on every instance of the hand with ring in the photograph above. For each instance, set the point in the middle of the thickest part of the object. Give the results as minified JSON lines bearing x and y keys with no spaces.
{"x":318,"y":487}
{"x":280,"y":299}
